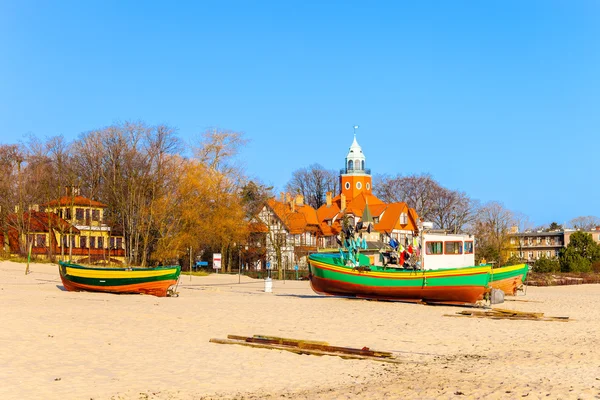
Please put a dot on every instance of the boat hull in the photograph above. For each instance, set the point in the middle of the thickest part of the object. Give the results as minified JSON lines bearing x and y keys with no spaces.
{"x":153,"y":281}
{"x":509,"y":279}
{"x":328,"y":275}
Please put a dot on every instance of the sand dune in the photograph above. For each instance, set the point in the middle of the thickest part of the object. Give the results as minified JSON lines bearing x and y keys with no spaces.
{"x":67,"y":345}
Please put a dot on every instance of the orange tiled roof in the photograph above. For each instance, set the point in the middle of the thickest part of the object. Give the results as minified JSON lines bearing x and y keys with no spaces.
{"x":390,"y":219}
{"x":301,"y":219}
{"x":75,"y":201}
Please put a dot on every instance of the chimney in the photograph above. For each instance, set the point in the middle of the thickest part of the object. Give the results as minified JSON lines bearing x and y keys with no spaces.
{"x":328,"y":199}
{"x":299,"y":200}
{"x":343,"y":202}
{"x":288,"y":197}
{"x":282,"y":197}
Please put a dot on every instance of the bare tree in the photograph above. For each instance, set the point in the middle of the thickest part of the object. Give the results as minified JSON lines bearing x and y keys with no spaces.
{"x":491,"y":228}
{"x":417,"y":191}
{"x":586,"y":223}
{"x":313,"y":183}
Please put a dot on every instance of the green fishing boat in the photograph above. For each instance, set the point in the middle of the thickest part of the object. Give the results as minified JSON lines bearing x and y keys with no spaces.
{"x":154,"y":281}
{"x":330,"y":274}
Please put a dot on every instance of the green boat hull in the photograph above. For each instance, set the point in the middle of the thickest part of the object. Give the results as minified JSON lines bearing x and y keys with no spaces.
{"x":154,"y":281}
{"x":329,"y":275}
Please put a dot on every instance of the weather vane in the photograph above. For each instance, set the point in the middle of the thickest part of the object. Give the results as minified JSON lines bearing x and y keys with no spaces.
{"x":355,"y":128}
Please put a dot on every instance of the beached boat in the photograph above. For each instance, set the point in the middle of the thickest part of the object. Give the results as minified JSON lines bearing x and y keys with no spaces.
{"x":509,"y":279}
{"x":153,"y":281}
{"x":330,"y":275}
{"x":444,"y":273}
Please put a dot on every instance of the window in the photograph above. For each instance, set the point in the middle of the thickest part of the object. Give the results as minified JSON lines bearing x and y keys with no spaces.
{"x":100,"y":242}
{"x":434,"y":247}
{"x":469,"y":247}
{"x":68,"y":213}
{"x":403,"y":219}
{"x":92,"y":242}
{"x":530,"y":241}
{"x":362,"y":164}
{"x":549,"y":253}
{"x":538,"y":240}
{"x":83,"y":242}
{"x":350,"y":165}
{"x":347,"y":185}
{"x":453,"y":247}
{"x":40,"y":240}
{"x":95,"y":215}
{"x":280,"y":239}
{"x":119,"y":243}
{"x":548,"y":240}
{"x":358,"y":185}
{"x":530,"y":255}
{"x":369,"y":188}
{"x":512,"y":241}
{"x":79,"y":214}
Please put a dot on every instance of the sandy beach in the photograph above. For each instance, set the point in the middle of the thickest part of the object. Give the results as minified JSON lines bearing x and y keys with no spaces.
{"x":76,"y":345}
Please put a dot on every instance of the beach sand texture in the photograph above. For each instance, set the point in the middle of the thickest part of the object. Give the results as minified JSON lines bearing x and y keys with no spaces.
{"x":77,"y":345}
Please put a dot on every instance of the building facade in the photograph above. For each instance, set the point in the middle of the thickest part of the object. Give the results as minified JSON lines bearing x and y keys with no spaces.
{"x":72,"y":228}
{"x":531,"y":246}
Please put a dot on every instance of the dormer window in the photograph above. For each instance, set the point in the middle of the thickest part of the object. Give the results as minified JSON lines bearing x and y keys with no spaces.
{"x":403,"y":219}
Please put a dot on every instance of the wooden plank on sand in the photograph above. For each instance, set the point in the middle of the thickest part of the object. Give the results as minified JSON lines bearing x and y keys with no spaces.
{"x":303,"y":350}
{"x":500,"y":313}
{"x":304,"y":346}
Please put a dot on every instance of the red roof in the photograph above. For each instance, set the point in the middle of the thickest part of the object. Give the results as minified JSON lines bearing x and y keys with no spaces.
{"x":66,"y":201}
{"x":42,"y":221}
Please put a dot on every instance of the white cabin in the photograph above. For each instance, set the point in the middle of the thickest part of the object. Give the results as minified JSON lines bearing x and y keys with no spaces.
{"x":447,"y":251}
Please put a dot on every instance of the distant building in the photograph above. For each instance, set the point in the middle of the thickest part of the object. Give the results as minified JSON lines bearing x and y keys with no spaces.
{"x":70,"y":228}
{"x":531,"y":246}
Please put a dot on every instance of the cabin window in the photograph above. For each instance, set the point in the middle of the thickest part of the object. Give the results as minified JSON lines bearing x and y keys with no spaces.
{"x":434,"y":247}
{"x":453,"y":247}
{"x":83,"y":242}
{"x":469,"y":247}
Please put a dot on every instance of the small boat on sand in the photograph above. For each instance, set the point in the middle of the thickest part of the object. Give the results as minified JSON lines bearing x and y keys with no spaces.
{"x":154,"y":281}
{"x":509,"y":279}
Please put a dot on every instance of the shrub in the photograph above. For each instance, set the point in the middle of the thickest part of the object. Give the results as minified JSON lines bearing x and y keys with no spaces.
{"x":544,"y":265}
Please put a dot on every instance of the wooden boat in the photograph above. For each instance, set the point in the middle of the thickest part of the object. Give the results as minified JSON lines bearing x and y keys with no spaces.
{"x":330,"y":274}
{"x":154,"y":281}
{"x":509,"y":279}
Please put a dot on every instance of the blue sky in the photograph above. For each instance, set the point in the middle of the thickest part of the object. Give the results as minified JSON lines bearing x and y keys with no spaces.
{"x":499,"y":99}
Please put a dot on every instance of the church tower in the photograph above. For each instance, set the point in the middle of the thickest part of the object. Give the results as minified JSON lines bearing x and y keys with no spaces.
{"x":354,"y":177}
